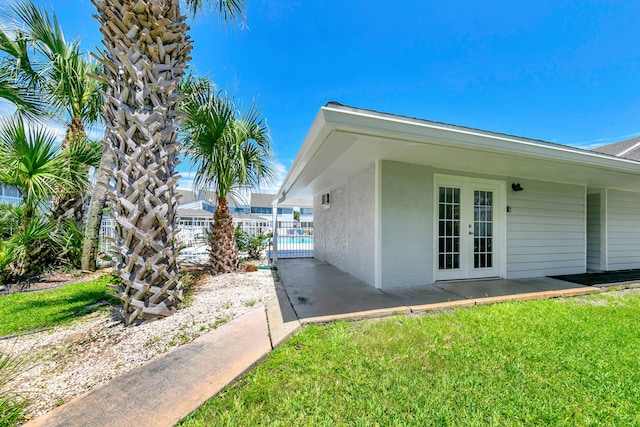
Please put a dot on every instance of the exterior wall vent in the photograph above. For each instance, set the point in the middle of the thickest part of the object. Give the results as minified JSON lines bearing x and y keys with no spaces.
{"x":326,"y":200}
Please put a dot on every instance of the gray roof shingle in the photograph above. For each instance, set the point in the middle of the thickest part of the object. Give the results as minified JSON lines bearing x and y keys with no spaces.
{"x":627,"y":149}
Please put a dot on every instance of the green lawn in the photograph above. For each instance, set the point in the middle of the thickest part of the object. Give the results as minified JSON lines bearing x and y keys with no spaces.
{"x":555,"y":362}
{"x":21,"y":312}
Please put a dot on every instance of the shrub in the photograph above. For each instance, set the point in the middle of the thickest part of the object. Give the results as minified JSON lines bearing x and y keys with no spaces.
{"x":254,"y":244}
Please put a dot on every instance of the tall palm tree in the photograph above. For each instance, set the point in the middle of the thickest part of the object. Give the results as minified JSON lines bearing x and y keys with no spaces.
{"x":145,"y":52}
{"x":64,"y":77}
{"x":231,"y":151}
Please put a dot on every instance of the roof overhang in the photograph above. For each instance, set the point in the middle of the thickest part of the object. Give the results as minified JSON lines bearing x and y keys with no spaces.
{"x":343,"y":140}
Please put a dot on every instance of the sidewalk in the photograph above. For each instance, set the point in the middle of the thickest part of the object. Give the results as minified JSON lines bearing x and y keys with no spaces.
{"x":168,"y":388}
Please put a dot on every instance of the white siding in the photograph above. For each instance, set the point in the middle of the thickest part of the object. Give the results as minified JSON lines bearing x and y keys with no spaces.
{"x":594,"y":231}
{"x":406,"y":224}
{"x":623,"y":214}
{"x":546,"y":230}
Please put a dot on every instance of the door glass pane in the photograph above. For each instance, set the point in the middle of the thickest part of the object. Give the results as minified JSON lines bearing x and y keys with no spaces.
{"x":483,"y":228}
{"x":449,"y":228}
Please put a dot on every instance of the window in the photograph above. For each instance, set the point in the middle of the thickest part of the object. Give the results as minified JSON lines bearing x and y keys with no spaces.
{"x":306,"y":211}
{"x":262,"y":211}
{"x":286,"y":211}
{"x":238,"y":210}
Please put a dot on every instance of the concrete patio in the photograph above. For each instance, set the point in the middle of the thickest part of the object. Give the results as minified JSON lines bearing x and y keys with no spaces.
{"x":319,"y":292}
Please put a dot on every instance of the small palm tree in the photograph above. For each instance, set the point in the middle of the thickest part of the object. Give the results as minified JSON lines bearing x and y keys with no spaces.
{"x":231,"y":150}
{"x":31,"y":160}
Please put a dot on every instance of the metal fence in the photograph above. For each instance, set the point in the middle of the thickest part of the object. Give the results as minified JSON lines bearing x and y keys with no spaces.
{"x":107,"y":234}
{"x":292,"y":240}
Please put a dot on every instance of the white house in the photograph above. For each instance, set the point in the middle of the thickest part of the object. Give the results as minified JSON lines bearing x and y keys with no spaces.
{"x":400,"y":201}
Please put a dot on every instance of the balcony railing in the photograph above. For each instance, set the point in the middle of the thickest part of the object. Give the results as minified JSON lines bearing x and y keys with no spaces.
{"x":10,"y":199}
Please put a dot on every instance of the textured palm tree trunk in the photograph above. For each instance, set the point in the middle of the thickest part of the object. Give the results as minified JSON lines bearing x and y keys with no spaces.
{"x":223,"y":252}
{"x":146,"y":49}
{"x":96,"y":206}
{"x":70,"y":205}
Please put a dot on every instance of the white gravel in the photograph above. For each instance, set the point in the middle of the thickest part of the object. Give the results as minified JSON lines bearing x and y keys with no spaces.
{"x":66,"y":361}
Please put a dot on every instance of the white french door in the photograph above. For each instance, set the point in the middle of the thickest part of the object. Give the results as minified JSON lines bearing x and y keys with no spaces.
{"x":469,"y":228}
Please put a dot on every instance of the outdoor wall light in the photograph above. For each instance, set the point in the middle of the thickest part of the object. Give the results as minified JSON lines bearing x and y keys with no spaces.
{"x":516,"y":187}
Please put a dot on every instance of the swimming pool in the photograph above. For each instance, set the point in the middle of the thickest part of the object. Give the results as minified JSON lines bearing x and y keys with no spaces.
{"x":295,"y":240}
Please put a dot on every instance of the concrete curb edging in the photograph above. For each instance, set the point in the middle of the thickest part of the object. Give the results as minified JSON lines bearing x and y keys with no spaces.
{"x":171,"y":386}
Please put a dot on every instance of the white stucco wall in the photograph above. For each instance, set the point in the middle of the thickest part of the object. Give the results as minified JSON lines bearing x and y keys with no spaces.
{"x":318,"y":228}
{"x":343,"y":232}
{"x":546,"y":230}
{"x":623,"y":230}
{"x":335,"y":228}
{"x":406,"y":224}
{"x":361,"y":218}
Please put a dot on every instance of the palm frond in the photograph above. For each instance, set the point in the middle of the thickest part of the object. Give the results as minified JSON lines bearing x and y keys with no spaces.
{"x":230,"y":150}
{"x":30,"y":160}
{"x":53,"y":67}
{"x":227,"y":10}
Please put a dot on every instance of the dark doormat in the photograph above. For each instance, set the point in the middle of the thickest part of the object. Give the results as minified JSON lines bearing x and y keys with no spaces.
{"x":603,"y":278}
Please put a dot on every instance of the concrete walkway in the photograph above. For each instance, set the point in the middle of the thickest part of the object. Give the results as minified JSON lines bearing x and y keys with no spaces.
{"x":321,"y":293}
{"x":168,"y":388}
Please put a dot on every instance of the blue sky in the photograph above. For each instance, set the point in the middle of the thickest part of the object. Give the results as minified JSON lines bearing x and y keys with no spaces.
{"x":559,"y":71}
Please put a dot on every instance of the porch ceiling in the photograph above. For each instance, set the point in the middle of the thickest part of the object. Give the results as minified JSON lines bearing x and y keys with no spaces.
{"x":344,"y":141}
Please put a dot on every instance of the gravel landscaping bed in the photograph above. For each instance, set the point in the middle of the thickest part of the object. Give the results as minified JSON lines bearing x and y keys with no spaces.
{"x":66,"y":361}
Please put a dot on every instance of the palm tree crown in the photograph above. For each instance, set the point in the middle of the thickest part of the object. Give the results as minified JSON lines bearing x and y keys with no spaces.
{"x":231,"y":150}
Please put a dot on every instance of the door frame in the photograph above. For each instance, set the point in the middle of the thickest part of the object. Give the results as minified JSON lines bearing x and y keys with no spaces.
{"x":499,"y":225}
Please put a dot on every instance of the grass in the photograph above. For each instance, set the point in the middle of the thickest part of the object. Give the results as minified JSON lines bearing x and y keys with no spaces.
{"x":23,"y":312}
{"x":555,"y":362}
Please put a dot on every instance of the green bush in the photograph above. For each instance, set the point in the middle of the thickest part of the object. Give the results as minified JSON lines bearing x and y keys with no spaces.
{"x":254,"y":244}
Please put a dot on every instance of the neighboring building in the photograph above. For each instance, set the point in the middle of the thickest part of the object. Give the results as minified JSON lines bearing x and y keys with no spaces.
{"x":262,"y":205}
{"x":9,"y":194}
{"x":306,"y":217}
{"x":628,"y":149}
{"x":196,"y":210}
{"x":400,"y":201}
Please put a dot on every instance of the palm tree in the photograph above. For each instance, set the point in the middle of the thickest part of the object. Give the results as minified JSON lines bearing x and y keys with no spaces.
{"x":145,"y":52}
{"x":231,"y":151}
{"x":31,"y":160}
{"x":17,"y":75}
{"x":97,"y":203}
{"x":63,"y":76}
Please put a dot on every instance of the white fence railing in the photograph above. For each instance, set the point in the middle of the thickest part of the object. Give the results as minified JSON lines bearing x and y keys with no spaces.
{"x":10,"y":199}
{"x":193,"y":237}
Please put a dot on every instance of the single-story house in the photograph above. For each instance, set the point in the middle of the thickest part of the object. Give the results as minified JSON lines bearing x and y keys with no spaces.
{"x":400,"y":201}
